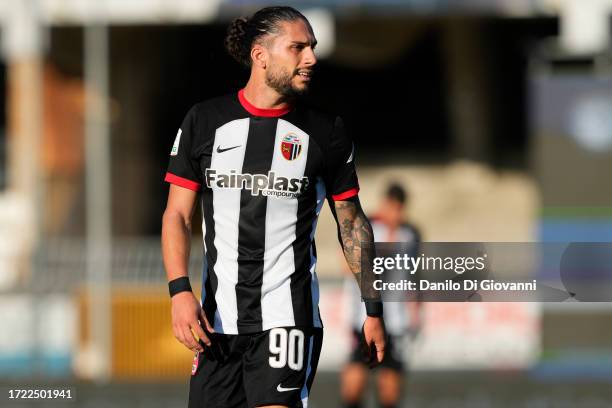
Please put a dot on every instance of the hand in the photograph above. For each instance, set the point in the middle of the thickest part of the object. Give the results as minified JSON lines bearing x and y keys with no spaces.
{"x":375,"y":339}
{"x":188,"y":318}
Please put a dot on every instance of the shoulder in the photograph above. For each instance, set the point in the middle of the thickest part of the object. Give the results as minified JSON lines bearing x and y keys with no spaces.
{"x":324,"y":127}
{"x":377,"y":223}
{"x":374,"y":218}
{"x":210,"y":114}
{"x":214,"y":105}
{"x":317,"y":115}
{"x":409,"y":226}
{"x":411,"y":230}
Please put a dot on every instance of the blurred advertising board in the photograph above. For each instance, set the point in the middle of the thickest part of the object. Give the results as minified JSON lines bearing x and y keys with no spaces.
{"x":452,"y":336}
{"x":38,"y":334}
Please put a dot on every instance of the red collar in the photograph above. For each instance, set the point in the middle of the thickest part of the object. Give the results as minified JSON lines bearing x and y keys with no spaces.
{"x":255,"y":111}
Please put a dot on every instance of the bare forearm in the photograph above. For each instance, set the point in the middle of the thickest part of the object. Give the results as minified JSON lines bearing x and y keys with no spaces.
{"x":176,"y":244}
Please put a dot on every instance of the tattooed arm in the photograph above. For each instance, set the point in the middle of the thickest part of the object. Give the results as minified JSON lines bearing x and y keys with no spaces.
{"x":357,"y":240}
{"x":355,"y":235}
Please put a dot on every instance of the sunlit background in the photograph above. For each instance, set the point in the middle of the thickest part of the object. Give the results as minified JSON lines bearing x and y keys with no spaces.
{"x":496,"y":115}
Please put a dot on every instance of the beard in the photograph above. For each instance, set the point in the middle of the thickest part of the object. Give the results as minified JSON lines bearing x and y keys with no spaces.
{"x":281,"y":81}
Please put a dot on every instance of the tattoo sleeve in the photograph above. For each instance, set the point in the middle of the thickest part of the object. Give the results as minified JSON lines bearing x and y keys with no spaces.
{"x":357,"y":239}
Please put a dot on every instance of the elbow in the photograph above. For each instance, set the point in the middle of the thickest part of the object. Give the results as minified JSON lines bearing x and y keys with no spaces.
{"x":173,"y":217}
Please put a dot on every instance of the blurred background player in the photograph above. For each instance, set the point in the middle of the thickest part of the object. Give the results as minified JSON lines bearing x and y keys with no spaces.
{"x":402,"y":319}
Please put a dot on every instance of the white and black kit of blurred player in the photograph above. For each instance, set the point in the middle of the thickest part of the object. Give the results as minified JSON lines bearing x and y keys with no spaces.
{"x":263,"y":164}
{"x":402,"y":319}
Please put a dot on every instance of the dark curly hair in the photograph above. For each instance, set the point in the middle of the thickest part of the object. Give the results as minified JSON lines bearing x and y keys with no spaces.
{"x":243,"y":32}
{"x":397,"y":193}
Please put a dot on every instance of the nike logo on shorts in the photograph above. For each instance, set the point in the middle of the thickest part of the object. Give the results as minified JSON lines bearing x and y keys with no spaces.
{"x":279,"y":388}
{"x":221,"y":150}
{"x":350,"y":159}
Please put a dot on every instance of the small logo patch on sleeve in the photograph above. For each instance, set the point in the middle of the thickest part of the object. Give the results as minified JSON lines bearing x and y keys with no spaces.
{"x":177,"y":141}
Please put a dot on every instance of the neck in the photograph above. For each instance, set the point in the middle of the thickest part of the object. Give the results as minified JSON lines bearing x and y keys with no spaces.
{"x":262,"y":96}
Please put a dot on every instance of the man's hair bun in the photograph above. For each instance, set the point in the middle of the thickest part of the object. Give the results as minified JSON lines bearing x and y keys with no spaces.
{"x":243,"y":32}
{"x":235,"y":43}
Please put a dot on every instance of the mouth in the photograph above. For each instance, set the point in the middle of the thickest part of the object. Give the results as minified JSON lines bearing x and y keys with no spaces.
{"x":305,"y":74}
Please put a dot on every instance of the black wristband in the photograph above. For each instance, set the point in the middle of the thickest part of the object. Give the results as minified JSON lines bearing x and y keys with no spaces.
{"x":179,"y":285}
{"x":374,"y":308}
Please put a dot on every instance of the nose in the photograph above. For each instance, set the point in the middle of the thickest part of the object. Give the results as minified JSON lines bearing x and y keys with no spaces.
{"x":309,"y":57}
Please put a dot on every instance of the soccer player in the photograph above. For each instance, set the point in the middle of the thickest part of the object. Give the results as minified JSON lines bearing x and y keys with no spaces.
{"x":263,"y":164}
{"x":401,"y":319}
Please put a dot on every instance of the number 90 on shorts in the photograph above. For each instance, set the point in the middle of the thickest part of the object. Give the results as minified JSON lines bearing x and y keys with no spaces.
{"x":286,"y":348}
{"x":273,"y":367}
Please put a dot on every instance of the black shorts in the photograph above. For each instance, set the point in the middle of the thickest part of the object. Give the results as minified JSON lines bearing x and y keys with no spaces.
{"x":274,"y":367}
{"x":393,"y":354}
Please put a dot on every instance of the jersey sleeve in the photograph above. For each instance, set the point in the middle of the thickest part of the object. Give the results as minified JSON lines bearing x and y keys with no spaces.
{"x":341,"y":178}
{"x":183,"y":169}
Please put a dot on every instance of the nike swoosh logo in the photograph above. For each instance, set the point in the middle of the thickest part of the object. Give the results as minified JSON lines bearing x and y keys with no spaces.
{"x":350,"y":159}
{"x":283,"y":389}
{"x":221,"y":150}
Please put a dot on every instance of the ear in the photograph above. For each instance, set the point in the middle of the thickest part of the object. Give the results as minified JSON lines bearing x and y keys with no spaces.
{"x":259,"y":55}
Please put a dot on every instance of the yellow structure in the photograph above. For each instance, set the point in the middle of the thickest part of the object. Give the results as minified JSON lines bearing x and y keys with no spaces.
{"x":143,"y":345}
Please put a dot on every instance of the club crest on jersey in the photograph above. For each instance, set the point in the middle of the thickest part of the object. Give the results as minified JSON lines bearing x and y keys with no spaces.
{"x":291,"y":146}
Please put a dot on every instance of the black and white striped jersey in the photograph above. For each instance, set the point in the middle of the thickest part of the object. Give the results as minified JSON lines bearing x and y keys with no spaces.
{"x":264,"y":175}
